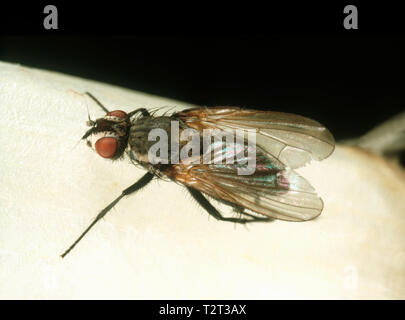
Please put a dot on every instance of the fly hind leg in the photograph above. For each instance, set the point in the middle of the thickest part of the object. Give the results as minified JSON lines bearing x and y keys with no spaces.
{"x":199,"y":197}
{"x":241,"y":212}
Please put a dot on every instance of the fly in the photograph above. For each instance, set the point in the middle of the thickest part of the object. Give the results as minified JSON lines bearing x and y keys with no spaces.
{"x":272,"y":190}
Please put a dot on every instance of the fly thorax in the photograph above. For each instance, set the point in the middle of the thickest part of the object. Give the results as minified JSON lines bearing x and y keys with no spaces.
{"x":155,"y":140}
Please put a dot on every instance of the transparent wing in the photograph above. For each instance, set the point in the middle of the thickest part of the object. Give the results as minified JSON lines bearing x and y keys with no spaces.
{"x":292,"y":139}
{"x":272,"y":190}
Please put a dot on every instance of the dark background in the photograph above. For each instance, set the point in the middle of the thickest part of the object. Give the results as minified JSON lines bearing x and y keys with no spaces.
{"x":287,"y":58}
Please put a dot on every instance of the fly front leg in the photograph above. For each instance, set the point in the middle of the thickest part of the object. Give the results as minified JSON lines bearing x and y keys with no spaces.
{"x":144,"y":112}
{"x":97,"y":101}
{"x":202,"y":200}
{"x":133,"y":188}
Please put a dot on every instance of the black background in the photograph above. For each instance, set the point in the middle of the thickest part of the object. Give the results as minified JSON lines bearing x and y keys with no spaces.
{"x":291,"y":58}
{"x":254,"y":309}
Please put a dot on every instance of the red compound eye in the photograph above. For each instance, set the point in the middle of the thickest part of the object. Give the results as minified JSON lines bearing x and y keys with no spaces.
{"x":106,"y":147}
{"x":117,"y":113}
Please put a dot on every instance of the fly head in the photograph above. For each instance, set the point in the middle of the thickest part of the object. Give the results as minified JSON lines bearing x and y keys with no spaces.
{"x":108,"y":136}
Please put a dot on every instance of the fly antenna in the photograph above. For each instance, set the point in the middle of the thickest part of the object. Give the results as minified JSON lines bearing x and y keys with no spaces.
{"x":90,"y":123}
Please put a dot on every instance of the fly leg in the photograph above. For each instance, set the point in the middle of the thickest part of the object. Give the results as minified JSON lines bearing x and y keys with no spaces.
{"x":144,"y":112}
{"x":241,"y":211}
{"x":96,"y":101}
{"x":202,"y":200}
{"x":133,"y":188}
